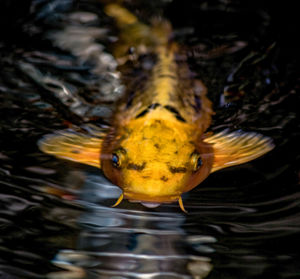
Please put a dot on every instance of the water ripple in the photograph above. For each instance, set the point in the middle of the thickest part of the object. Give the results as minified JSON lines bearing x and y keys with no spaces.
{"x":56,"y":219}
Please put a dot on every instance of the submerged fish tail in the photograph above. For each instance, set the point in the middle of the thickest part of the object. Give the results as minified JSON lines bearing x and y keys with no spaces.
{"x":134,"y":34}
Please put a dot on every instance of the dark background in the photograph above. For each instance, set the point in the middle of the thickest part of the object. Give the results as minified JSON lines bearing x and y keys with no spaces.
{"x":252,"y":210}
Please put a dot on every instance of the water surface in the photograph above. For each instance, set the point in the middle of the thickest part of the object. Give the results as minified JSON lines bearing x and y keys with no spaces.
{"x":56,"y":219}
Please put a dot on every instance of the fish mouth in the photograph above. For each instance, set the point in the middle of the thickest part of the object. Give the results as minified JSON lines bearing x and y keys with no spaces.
{"x":150,"y":200}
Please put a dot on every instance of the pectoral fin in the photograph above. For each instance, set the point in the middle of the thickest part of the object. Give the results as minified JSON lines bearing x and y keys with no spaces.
{"x":73,"y":146}
{"x":236,"y":148}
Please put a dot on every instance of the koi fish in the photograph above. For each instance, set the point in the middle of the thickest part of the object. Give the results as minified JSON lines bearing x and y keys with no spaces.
{"x":157,"y":147}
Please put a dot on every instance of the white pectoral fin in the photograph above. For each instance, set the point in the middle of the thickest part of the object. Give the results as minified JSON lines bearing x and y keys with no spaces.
{"x":74,"y":146}
{"x":234,"y":148}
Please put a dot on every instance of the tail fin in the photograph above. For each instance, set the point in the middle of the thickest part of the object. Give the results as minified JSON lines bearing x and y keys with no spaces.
{"x":135,"y":33}
{"x":122,"y":16}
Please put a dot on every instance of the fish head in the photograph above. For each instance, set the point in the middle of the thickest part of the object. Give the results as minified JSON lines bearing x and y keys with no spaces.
{"x":156,"y":163}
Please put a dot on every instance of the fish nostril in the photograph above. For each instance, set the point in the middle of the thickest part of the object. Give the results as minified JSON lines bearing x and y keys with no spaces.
{"x":163,"y":178}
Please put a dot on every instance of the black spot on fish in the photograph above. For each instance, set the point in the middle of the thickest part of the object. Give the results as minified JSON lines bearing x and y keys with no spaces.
{"x":177,"y":170}
{"x":180,"y":118}
{"x":156,"y":145}
{"x":143,"y":113}
{"x":175,"y":112}
{"x":150,"y":107}
{"x":163,"y":178}
{"x":75,"y":151}
{"x":154,"y":106}
{"x":171,"y":109}
{"x":132,"y":166}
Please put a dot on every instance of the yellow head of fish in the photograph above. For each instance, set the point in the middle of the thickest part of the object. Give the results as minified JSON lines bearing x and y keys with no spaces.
{"x":155,"y":161}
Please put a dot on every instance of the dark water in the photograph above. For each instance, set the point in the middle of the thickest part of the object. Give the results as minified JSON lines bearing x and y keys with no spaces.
{"x":56,"y":219}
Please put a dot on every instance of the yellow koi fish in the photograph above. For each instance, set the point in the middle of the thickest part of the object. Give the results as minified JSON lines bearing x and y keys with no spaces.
{"x":156,"y":148}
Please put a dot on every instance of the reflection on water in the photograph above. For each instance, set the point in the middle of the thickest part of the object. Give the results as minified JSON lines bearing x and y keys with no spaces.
{"x":121,"y":243}
{"x":56,"y":219}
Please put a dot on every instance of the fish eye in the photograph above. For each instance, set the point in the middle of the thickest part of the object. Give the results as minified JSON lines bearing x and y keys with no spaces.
{"x":115,"y":160}
{"x":118,"y":157}
{"x":196,"y":161}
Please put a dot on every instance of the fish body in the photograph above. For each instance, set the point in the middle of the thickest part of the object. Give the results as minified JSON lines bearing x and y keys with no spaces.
{"x":158,"y":139}
{"x":156,"y":148}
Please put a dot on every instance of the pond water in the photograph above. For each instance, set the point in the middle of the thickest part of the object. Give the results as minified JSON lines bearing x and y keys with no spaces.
{"x":56,"y":219}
